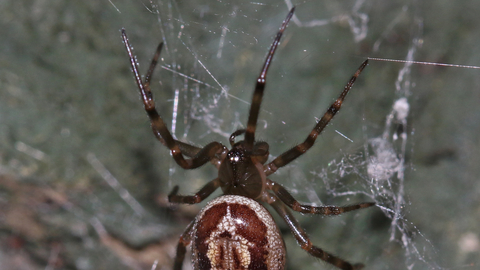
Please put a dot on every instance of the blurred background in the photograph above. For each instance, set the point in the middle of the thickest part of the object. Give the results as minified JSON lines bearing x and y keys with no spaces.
{"x":83,"y":181}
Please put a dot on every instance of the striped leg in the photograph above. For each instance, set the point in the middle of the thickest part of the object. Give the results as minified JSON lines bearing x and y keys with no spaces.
{"x":328,"y":210}
{"x":185,"y":240}
{"x":302,"y":238}
{"x":301,"y":148}
{"x":212,"y":151}
{"x":260,"y":87}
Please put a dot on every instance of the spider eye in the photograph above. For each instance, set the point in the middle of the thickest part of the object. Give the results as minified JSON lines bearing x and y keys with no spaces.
{"x":237,"y":163}
{"x":234,"y":159}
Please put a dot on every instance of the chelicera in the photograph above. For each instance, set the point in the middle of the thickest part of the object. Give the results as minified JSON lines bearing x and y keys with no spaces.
{"x":235,"y":231}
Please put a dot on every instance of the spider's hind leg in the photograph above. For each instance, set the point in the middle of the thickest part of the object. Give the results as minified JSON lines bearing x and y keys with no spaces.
{"x":302,"y":237}
{"x":183,"y":242}
{"x":328,"y":210}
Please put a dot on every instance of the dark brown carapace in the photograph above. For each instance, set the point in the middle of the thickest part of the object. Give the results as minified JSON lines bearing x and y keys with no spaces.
{"x":234,"y":231}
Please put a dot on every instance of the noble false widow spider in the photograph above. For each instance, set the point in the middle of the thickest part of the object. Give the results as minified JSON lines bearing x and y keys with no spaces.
{"x":234,"y":231}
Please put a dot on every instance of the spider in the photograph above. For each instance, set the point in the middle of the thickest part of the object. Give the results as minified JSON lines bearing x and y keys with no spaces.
{"x":234,"y":231}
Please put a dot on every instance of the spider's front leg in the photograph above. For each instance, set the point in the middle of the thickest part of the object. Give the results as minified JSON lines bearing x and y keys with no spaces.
{"x":301,"y":148}
{"x":211,"y":152}
{"x":260,"y":86}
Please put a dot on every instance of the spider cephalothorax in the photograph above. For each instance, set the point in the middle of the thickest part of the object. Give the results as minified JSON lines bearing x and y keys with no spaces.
{"x":234,"y":231}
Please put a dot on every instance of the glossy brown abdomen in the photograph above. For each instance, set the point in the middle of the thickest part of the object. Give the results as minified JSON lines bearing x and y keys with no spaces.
{"x":236,"y":233}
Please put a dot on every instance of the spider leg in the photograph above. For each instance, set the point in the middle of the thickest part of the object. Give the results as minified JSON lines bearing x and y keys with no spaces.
{"x":160,"y":130}
{"x":234,"y":135}
{"x":153,"y":64}
{"x":188,"y":149}
{"x":329,"y":210}
{"x":201,"y":195}
{"x":260,"y":86}
{"x":183,"y":242}
{"x":301,"y":148}
{"x":302,"y":238}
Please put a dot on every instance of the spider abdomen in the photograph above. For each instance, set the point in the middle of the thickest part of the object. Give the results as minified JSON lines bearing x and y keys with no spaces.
{"x":236,"y":232}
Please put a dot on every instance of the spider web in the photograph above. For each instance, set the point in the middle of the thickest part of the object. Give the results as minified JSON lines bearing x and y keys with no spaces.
{"x":73,"y":131}
{"x":212,"y":56}
{"x":211,"y":61}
